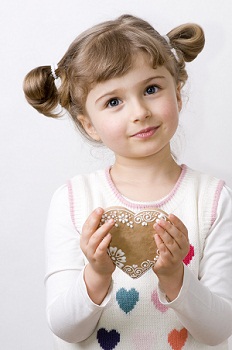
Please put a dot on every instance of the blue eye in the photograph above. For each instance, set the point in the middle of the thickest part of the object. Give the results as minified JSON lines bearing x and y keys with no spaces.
{"x":113,"y":102}
{"x":151,"y":90}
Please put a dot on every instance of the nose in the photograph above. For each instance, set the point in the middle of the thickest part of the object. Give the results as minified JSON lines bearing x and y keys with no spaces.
{"x":139,"y":111}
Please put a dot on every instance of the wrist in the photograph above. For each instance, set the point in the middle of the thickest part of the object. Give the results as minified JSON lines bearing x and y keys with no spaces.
{"x":171,"y":285}
{"x":97,"y":284}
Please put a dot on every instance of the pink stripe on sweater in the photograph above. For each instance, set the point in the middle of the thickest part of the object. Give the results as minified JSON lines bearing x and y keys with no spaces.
{"x":71,"y":203}
{"x":216,"y":199}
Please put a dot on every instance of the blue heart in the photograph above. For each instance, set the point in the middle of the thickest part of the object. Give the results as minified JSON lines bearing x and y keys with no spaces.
{"x":108,"y":340}
{"x":127,"y":299}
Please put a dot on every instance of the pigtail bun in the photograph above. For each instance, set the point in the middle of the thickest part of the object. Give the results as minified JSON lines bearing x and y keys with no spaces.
{"x":40,"y":91}
{"x":189,"y":39}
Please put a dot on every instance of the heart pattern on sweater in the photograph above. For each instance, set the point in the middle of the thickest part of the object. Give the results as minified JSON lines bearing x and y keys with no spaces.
{"x":155,"y":299}
{"x":127,"y":299}
{"x":142,"y":341}
{"x":108,"y":340}
{"x":132,"y":247}
{"x":189,"y":256}
{"x":177,"y":339}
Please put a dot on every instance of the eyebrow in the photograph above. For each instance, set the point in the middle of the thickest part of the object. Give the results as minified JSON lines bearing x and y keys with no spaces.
{"x":115,"y":91}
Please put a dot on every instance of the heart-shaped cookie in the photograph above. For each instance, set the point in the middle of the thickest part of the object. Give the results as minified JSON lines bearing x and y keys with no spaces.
{"x":133,"y":247}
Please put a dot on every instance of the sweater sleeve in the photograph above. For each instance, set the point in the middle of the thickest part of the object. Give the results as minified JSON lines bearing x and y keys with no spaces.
{"x":72,"y":316}
{"x":204,"y":305}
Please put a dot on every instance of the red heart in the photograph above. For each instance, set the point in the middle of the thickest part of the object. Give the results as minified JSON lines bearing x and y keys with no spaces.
{"x":177,"y":338}
{"x":189,"y":256}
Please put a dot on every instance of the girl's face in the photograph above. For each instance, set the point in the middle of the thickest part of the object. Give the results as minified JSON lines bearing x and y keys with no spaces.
{"x":137,"y":114}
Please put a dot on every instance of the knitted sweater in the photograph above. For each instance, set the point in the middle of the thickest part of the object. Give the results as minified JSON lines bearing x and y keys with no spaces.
{"x":135,"y":313}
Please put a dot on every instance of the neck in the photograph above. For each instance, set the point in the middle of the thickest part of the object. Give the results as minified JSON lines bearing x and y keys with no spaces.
{"x":145,"y":168}
{"x":145,"y":179}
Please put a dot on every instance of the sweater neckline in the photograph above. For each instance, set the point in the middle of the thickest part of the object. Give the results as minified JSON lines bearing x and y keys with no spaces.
{"x":134,"y":204}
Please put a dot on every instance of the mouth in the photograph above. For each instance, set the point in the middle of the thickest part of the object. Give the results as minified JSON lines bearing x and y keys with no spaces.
{"x":144,"y":133}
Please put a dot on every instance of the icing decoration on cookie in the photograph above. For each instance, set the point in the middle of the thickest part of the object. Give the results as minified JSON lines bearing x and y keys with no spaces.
{"x":133,"y":248}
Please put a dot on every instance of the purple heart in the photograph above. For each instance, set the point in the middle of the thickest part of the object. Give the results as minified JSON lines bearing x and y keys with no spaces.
{"x":108,"y":340}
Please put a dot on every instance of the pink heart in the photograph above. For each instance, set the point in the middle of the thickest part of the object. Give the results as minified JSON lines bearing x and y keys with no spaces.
{"x":143,"y":340}
{"x":157,"y":303}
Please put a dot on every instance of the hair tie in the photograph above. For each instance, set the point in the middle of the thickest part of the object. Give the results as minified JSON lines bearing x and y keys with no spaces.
{"x":53,"y":70}
{"x":171,"y":47}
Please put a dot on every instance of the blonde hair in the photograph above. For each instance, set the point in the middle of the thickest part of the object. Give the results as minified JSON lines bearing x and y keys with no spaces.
{"x":106,"y":51}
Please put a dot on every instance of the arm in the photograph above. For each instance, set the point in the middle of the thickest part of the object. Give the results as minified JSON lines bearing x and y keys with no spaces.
{"x":204,"y":306}
{"x":71,"y":313}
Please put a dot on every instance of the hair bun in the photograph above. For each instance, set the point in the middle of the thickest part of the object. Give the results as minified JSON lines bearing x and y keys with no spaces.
{"x":189,"y":38}
{"x":40,"y":90}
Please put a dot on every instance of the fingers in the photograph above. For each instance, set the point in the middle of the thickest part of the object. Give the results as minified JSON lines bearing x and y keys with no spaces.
{"x":94,"y":242}
{"x":172,"y":237}
{"x":92,"y":223}
{"x":103,"y":245}
{"x":94,"y":238}
{"x":178,"y":224}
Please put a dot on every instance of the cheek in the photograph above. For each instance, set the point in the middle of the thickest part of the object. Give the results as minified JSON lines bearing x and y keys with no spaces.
{"x":109,"y":131}
{"x":171,"y":112}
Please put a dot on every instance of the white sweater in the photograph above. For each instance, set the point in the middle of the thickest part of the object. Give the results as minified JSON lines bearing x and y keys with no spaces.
{"x":135,"y":313}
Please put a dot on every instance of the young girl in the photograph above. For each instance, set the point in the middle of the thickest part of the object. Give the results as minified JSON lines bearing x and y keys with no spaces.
{"x":121,"y":83}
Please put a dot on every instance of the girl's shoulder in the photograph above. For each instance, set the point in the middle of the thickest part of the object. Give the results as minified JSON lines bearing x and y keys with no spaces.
{"x":89,"y":176}
{"x":210,"y":189}
{"x":201,"y":179}
{"x":62,"y":192}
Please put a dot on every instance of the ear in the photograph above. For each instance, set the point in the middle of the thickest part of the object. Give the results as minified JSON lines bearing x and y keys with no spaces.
{"x":178,"y":96}
{"x":88,"y":127}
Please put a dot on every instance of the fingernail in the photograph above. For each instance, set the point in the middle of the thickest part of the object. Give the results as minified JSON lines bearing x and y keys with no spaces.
{"x":99,"y":210}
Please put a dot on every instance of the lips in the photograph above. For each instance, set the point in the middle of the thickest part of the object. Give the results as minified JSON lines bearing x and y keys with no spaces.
{"x":146,"y":132}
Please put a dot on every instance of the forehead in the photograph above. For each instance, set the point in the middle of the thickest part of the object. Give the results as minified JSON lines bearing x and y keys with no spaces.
{"x":140,"y":73}
{"x":140,"y":63}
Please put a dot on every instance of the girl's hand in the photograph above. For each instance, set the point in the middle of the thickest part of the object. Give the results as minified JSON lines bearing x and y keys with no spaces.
{"x":95,"y":241}
{"x":173,"y":245}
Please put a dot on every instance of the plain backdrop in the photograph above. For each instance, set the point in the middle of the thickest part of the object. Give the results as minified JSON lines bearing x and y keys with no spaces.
{"x":38,"y":154}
